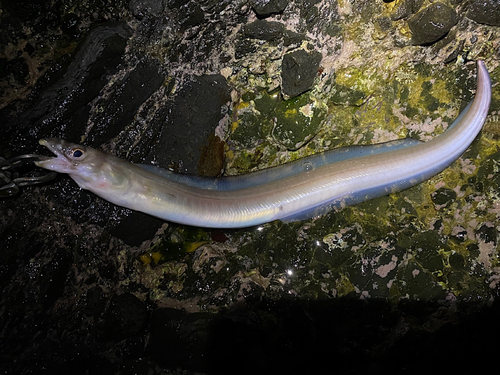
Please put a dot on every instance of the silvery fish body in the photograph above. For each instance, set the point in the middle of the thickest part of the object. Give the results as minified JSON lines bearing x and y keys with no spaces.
{"x":298,"y":190}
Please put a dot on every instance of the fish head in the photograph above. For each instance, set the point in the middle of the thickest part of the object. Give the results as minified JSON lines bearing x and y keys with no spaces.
{"x":69,"y":156}
{"x":85,"y":165}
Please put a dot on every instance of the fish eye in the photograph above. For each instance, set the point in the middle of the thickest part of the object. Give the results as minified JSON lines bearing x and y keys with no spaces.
{"x":77,"y":153}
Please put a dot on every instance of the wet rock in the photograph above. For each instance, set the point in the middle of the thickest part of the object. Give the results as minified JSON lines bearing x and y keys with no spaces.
{"x":343,"y":95}
{"x":406,"y":8}
{"x":297,"y":121}
{"x":212,"y":157}
{"x":141,"y":8}
{"x":125,"y":317}
{"x":383,"y":24}
{"x":264,"y":30}
{"x":16,"y":67}
{"x":299,"y":69}
{"x":485,"y":12}
{"x":136,"y":228}
{"x":68,"y":99}
{"x":176,"y":3}
{"x":487,"y":233}
{"x":432,"y":23}
{"x":449,"y":46}
{"x":191,"y":15}
{"x":244,"y":47}
{"x":269,"y":31}
{"x":179,"y":339}
{"x":53,"y":276}
{"x":443,"y":196}
{"x":265,"y":8}
{"x":290,"y":37}
{"x":192,"y":117}
{"x":120,"y":107}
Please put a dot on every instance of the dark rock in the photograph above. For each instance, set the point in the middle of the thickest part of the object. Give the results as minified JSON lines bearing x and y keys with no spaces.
{"x":125,"y":317}
{"x":488,"y":233}
{"x":141,"y":8}
{"x":290,"y":37}
{"x":53,"y":277}
{"x":485,"y":12}
{"x":191,"y":15}
{"x":194,"y":115}
{"x":172,"y":4}
{"x":136,"y":228}
{"x":450,"y":46}
{"x":265,"y":8}
{"x":16,"y":67}
{"x":488,"y":173}
{"x":67,"y":100}
{"x":264,"y":30}
{"x":299,"y":69}
{"x":460,"y":236}
{"x":212,"y":157}
{"x":179,"y":339}
{"x":120,"y":107}
{"x":70,"y":23}
{"x":432,"y":23}
{"x":270,"y":31}
{"x":95,"y":302}
{"x":443,"y":196}
{"x":406,"y":8}
{"x":383,"y":24}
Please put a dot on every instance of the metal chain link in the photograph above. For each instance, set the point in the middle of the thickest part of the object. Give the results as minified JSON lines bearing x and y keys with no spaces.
{"x":12,"y":177}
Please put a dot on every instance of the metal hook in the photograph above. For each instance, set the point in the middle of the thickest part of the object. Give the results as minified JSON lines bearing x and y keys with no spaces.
{"x":11,"y":178}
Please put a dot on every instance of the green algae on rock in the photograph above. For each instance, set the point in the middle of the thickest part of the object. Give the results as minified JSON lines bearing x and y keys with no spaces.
{"x":424,"y":263}
{"x":406,"y":8}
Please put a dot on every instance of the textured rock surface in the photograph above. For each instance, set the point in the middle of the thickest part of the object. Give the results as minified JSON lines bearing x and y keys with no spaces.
{"x":298,"y":70}
{"x":265,"y":8}
{"x":406,"y":281}
{"x":432,"y":23}
{"x":485,"y":11}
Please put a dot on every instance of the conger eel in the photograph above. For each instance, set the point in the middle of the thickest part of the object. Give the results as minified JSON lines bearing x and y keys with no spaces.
{"x":302,"y":189}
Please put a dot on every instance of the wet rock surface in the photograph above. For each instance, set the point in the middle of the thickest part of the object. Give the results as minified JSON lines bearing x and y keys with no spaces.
{"x":298,"y":70}
{"x":265,"y":8}
{"x":432,"y":23}
{"x":406,"y":8}
{"x":406,"y":281}
{"x":98,"y":56}
{"x":195,"y":113}
{"x":486,"y":12}
{"x":264,"y":30}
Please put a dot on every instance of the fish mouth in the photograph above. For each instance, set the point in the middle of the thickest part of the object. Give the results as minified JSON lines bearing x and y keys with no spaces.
{"x":53,"y":144}
{"x":60,"y":163}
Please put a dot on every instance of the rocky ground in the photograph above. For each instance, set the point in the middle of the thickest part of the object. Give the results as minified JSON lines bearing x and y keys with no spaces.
{"x":403,"y":283}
